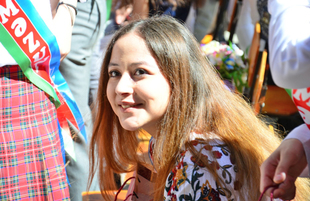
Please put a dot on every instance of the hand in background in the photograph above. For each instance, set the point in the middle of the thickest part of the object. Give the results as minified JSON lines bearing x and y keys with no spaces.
{"x":139,"y":9}
{"x":283,"y":167}
{"x":122,"y":14}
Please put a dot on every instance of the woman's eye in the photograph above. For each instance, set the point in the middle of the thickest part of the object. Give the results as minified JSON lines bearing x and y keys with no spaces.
{"x":114,"y":73}
{"x":140,"y":72}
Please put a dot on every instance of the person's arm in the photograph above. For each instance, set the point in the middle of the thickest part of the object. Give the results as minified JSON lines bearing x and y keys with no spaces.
{"x":287,"y":163}
{"x":289,"y":42}
{"x":63,"y":21}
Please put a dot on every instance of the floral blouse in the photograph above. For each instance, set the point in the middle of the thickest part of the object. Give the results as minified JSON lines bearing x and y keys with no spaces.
{"x":190,"y":180}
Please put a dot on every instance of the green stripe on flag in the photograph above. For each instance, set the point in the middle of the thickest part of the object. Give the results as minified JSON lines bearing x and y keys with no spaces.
{"x":23,"y":61}
{"x":289,"y":91}
{"x":12,"y":47}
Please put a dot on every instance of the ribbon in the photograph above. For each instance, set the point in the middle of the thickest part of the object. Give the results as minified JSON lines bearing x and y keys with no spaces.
{"x":27,"y":38}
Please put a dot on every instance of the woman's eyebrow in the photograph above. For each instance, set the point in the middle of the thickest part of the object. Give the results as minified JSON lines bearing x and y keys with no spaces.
{"x":139,"y":63}
{"x":142,"y":63}
{"x":133,"y":64}
{"x":112,"y":64}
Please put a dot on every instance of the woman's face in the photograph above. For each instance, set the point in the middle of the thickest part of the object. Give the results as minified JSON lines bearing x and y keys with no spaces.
{"x":137,"y":90}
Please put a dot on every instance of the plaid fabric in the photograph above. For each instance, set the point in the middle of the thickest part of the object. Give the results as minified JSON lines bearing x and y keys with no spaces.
{"x":31,"y":164}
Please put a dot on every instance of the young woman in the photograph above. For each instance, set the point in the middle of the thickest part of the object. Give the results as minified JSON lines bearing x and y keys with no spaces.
{"x":208,"y":144}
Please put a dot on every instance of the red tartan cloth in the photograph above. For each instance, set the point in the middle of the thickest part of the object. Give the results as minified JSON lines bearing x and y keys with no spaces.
{"x":31,"y":163}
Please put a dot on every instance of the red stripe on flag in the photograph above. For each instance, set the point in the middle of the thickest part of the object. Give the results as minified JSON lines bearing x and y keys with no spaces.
{"x":26,"y":36}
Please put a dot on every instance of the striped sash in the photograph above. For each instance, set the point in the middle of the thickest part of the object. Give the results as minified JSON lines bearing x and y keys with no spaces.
{"x":29,"y":41}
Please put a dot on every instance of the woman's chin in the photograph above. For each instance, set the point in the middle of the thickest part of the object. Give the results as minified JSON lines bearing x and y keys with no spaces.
{"x":130,"y":127}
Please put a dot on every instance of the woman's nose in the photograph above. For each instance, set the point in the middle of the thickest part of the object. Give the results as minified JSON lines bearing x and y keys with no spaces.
{"x":124,"y":85}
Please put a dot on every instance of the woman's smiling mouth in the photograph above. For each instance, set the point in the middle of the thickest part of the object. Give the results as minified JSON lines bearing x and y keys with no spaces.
{"x":128,"y":106}
{"x":125,"y":106}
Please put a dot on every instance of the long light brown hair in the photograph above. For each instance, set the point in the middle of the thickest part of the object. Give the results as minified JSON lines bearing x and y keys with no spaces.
{"x":198,"y":102}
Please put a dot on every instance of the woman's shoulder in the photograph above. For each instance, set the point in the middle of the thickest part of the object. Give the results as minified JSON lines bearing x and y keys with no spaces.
{"x":214,"y":149}
{"x":192,"y":180}
{"x":215,"y":152}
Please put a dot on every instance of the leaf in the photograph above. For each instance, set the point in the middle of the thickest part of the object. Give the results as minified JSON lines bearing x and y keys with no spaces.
{"x":226,"y":166}
{"x":230,"y":44}
{"x":180,"y":181}
{"x":224,"y":151}
{"x":185,"y":197}
{"x":196,"y":176}
{"x":221,"y":191}
{"x":224,"y":174}
{"x":197,"y":187}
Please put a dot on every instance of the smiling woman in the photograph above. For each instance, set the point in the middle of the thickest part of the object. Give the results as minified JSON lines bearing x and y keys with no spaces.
{"x":207,"y":143}
{"x":135,"y":99}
